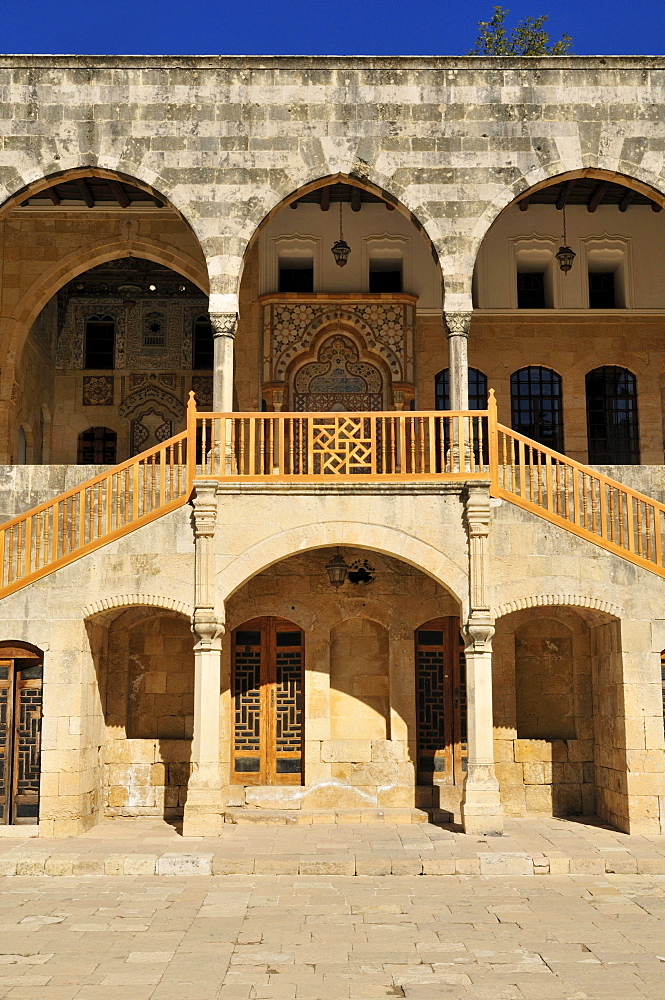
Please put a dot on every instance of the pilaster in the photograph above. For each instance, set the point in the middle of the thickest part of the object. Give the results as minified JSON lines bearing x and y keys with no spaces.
{"x":481,"y":804}
{"x":204,"y":809}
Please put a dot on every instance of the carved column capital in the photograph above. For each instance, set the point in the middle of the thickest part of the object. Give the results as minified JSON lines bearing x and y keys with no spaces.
{"x":457,"y":323}
{"x":224,"y":324}
{"x":207,"y":628}
{"x":478,"y":632}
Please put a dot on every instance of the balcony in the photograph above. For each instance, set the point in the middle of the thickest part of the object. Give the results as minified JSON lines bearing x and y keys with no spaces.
{"x":314,"y":446}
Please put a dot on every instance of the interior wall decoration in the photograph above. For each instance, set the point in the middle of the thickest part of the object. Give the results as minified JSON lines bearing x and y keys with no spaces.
{"x":290,"y":330}
{"x":98,"y":390}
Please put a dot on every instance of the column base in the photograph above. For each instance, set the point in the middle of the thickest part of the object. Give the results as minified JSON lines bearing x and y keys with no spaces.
{"x":205,"y":806}
{"x":482,"y":812}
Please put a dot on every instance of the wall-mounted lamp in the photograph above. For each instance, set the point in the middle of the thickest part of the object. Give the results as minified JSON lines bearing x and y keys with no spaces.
{"x":337,"y":570}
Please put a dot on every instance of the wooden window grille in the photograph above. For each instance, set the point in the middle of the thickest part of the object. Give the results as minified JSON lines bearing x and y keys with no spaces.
{"x":612,"y":426}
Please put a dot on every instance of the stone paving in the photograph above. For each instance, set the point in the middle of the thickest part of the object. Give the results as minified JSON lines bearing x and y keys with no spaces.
{"x":535,"y":846}
{"x":326,"y":938}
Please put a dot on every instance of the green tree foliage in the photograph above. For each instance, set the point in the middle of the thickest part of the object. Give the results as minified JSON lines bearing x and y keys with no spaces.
{"x":529,"y":38}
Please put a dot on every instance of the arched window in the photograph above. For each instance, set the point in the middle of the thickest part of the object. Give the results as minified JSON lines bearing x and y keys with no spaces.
{"x":535,"y":394}
{"x":477,"y":389}
{"x":99,"y":342}
{"x":97,"y":446}
{"x":203,"y":350}
{"x":611,"y":408}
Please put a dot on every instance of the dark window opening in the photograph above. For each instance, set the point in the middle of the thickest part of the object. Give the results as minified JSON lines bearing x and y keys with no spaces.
{"x":97,"y":446}
{"x":385,"y":275}
{"x":601,"y":290}
{"x":530,"y":290}
{"x":477,"y":390}
{"x":385,"y":281}
{"x":296,"y":275}
{"x":612,"y":427}
{"x":100,"y":342}
{"x":535,"y":394}
{"x":203,"y":349}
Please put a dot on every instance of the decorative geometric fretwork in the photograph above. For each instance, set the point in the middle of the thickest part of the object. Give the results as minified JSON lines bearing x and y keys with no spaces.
{"x":98,"y":390}
{"x":341,"y":445}
{"x":20,"y":739}
{"x":5,"y":774}
{"x":288,"y":688}
{"x":248,"y":698}
{"x":430,"y":696}
{"x":267,"y":699}
{"x":28,"y":746}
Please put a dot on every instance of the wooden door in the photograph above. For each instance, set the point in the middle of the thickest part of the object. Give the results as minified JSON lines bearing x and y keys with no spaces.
{"x":20,"y":736}
{"x":268,"y":684}
{"x":440,"y":702}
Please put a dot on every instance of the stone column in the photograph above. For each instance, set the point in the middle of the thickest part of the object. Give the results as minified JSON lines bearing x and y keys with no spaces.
{"x":223,"y":330}
{"x":204,"y":809}
{"x":481,"y":803}
{"x":457,"y":325}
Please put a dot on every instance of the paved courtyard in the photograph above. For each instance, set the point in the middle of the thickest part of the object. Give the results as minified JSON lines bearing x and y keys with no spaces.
{"x":283,"y":938}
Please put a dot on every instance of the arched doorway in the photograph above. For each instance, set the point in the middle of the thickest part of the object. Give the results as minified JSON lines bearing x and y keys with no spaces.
{"x":21,"y":675}
{"x":267,"y":679}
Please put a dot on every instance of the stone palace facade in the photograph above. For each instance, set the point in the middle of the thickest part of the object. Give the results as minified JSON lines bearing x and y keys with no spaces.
{"x":332,"y":407}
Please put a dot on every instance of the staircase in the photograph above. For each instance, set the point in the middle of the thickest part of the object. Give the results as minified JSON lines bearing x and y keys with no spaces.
{"x":460,"y":445}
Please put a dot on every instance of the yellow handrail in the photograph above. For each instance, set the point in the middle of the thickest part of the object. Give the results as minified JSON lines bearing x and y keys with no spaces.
{"x":88,"y":516}
{"x":576,"y":497}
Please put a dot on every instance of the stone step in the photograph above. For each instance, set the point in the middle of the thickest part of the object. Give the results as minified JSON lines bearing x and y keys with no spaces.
{"x":244,"y":815}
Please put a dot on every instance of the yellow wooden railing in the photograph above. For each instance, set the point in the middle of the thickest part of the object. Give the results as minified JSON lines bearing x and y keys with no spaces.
{"x":367,"y":447}
{"x":567,"y":493}
{"x":88,"y":516}
{"x":376,"y":446}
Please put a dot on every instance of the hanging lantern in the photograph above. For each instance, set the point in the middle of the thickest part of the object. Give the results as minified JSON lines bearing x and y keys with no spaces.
{"x":337,"y":570}
{"x":340,"y":248}
{"x":564,"y":254}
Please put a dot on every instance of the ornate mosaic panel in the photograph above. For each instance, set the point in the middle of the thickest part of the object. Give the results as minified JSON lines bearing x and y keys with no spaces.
{"x":98,"y":390}
{"x":387,"y":328}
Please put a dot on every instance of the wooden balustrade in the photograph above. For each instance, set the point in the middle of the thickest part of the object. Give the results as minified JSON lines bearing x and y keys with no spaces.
{"x":84,"y":518}
{"x":236,"y":447}
{"x":578,"y":498}
{"x":241,"y":446}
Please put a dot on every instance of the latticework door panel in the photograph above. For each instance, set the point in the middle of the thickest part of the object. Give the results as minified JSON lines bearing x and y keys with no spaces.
{"x":20,"y":738}
{"x":268,"y":663}
{"x":440,"y":702}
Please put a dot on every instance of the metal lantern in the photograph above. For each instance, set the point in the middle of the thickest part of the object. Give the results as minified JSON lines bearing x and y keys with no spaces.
{"x":337,"y":570}
{"x":340,"y":248}
{"x":564,"y":254}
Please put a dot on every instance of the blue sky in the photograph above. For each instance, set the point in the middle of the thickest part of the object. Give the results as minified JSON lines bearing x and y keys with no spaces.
{"x":346,"y":27}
